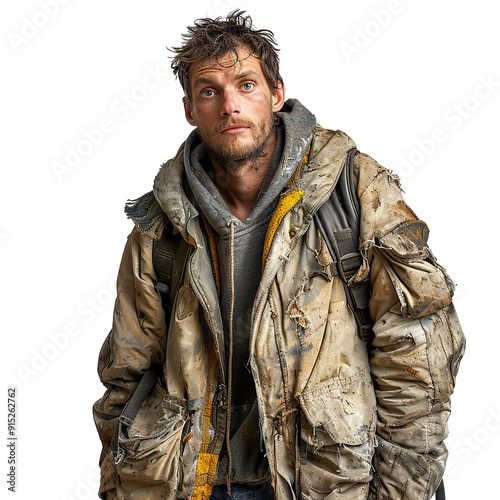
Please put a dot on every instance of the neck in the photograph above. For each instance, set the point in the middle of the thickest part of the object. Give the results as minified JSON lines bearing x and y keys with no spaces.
{"x":239,"y":183}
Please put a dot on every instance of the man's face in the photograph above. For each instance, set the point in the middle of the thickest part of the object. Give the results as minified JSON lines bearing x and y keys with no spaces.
{"x":232,"y":105}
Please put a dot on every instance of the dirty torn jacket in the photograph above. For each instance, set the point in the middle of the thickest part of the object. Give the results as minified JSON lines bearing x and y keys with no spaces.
{"x":338,"y":418}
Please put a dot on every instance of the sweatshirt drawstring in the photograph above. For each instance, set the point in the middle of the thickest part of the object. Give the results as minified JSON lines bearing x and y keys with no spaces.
{"x":230,"y":369}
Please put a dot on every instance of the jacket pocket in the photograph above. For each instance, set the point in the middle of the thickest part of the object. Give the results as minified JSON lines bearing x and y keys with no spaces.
{"x":343,"y":407}
{"x":338,"y":437}
{"x":148,"y":465}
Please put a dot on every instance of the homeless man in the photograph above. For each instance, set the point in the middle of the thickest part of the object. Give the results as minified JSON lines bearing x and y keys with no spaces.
{"x":264,"y":387}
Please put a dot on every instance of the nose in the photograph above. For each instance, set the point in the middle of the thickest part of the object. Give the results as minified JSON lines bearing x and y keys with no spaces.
{"x":230,"y":104}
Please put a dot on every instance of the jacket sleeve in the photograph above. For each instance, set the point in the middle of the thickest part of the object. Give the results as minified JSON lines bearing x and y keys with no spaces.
{"x":136,"y":341}
{"x":418,"y":341}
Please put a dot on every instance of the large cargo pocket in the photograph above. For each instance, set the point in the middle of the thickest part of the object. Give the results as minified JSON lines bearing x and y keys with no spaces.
{"x":338,"y":436}
{"x":149,"y":452}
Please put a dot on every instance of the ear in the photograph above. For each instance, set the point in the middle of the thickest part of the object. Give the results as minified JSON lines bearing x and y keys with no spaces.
{"x":188,"y":113}
{"x":278,"y":96}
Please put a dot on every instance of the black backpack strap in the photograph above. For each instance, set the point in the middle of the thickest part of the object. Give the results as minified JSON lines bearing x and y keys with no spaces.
{"x":169,"y":249}
{"x":440,"y":493}
{"x":129,"y":412}
{"x":338,"y":222}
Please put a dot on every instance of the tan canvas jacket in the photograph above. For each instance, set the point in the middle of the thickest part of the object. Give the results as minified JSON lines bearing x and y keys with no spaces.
{"x":339,"y":419}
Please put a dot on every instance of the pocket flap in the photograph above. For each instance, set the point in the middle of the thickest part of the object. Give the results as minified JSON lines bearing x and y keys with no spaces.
{"x":344,"y":407}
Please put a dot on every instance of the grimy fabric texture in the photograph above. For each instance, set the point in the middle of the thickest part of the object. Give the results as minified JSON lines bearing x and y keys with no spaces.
{"x":249,"y":463}
{"x":338,"y":419}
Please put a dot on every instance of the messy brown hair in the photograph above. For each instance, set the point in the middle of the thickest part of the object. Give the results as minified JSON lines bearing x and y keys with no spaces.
{"x":214,"y":38}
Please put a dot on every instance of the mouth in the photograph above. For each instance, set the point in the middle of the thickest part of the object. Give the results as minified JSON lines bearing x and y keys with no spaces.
{"x":235,"y":129}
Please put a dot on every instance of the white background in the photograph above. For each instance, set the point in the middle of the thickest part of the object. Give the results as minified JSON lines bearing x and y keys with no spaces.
{"x":387,"y":72}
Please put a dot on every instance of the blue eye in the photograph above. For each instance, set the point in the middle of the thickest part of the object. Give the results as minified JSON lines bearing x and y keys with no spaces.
{"x":208,"y":93}
{"x":248,"y":86}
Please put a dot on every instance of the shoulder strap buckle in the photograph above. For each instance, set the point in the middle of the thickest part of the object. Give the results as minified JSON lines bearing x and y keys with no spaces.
{"x":338,"y":222}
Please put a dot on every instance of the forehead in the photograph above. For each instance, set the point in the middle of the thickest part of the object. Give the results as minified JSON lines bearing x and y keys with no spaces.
{"x":230,"y":65}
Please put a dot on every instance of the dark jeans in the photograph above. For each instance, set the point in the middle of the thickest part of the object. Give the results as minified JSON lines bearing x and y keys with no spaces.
{"x":244,"y":491}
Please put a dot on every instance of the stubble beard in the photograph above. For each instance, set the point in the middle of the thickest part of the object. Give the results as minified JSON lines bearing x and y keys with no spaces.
{"x":233,"y":159}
